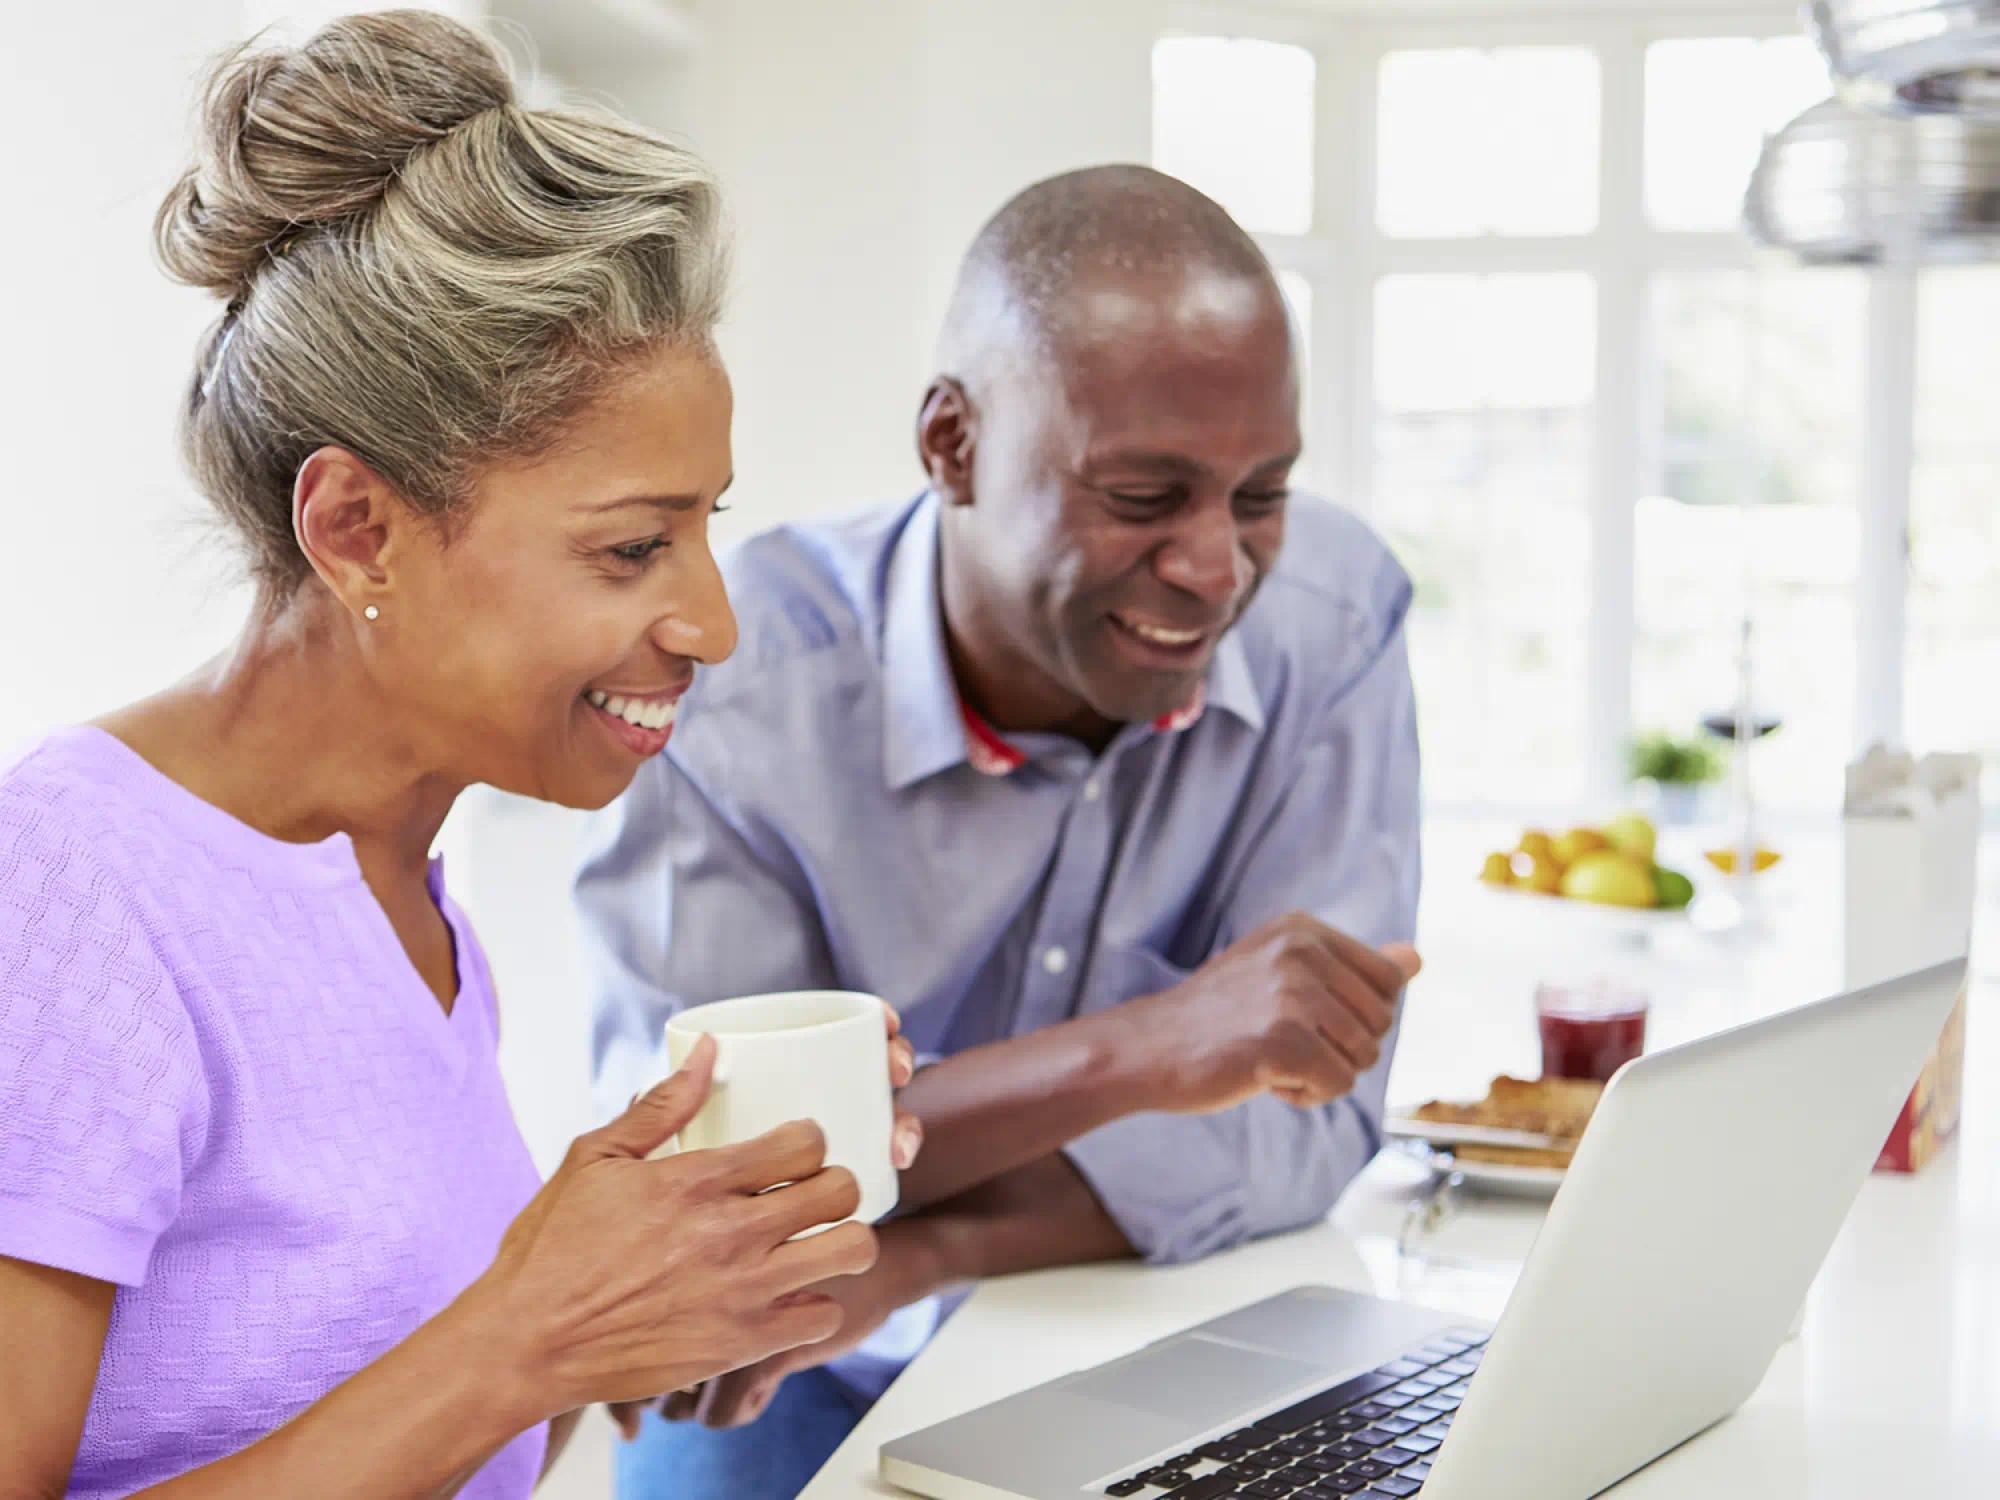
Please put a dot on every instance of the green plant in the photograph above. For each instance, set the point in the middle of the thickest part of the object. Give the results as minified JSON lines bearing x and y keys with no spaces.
{"x":1672,"y":761}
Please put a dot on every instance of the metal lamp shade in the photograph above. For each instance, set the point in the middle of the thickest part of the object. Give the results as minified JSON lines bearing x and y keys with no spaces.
{"x":1919,"y":55}
{"x":1845,"y":185}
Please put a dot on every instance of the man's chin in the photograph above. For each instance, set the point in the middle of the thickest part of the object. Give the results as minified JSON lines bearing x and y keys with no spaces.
{"x":1128,"y":701}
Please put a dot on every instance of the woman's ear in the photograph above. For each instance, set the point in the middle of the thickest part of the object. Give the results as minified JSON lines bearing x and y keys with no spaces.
{"x":947,"y":433}
{"x":349,"y":523}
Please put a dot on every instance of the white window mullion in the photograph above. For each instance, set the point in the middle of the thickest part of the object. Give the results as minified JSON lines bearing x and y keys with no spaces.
{"x":1617,"y":454}
{"x":1882,"y":563}
{"x":1348,"y":139}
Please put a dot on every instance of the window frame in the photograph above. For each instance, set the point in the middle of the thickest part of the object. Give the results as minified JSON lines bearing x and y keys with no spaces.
{"x":1345,"y":254}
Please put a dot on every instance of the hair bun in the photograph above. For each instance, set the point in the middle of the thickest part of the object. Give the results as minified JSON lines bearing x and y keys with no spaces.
{"x":290,"y":137}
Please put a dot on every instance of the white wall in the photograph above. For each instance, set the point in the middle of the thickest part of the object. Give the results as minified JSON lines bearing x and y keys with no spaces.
{"x":108,"y":587}
{"x":861,"y":143}
{"x":861,"y":147}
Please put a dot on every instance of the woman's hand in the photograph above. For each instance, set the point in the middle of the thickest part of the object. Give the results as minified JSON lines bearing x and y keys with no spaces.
{"x":626,"y":1277}
{"x":907,"y":1141}
{"x":908,"y":1271}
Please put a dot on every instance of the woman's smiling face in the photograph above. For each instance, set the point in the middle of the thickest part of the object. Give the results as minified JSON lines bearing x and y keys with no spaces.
{"x":543,"y":644}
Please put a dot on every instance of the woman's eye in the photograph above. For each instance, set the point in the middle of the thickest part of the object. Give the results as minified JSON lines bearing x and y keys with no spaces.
{"x":1142,"y":497}
{"x":638,"y":552}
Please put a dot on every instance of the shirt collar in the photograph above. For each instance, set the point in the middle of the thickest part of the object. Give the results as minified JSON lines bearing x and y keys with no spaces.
{"x":928,"y":728}
{"x":922,"y":733}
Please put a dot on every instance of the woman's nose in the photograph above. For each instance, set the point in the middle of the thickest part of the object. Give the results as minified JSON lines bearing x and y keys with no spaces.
{"x":699,"y":623}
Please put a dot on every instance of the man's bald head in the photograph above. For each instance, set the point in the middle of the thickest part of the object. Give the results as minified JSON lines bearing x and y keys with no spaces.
{"x":1055,"y":261}
{"x":1111,"y":434}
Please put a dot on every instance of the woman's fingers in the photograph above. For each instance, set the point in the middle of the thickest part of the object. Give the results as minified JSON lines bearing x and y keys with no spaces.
{"x":790,"y":1153}
{"x":844,"y":1250}
{"x":802,"y":1318}
{"x":902,"y":1062}
{"x":824,"y":1197}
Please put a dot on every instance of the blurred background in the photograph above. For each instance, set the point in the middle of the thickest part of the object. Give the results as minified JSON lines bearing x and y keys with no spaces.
{"x":1645,"y":470}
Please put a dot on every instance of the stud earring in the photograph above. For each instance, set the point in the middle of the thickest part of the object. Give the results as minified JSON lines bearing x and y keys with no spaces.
{"x":371,"y":613}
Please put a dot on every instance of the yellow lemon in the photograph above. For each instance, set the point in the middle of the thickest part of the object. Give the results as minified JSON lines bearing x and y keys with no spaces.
{"x":1537,"y":873}
{"x":1631,"y":834}
{"x":1609,"y":878}
{"x":1578,"y":842}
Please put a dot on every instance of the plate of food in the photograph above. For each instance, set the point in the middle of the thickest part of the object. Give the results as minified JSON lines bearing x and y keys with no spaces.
{"x":1518,"y":1139}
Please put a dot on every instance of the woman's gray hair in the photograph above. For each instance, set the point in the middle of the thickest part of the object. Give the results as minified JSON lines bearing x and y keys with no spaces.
{"x":416,"y":267}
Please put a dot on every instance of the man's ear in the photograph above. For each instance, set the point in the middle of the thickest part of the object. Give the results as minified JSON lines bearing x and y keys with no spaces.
{"x":947,"y":433}
{"x":350,"y":524}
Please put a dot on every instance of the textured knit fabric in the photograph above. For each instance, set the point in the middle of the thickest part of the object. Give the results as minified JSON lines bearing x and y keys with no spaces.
{"x":224,"y":1088}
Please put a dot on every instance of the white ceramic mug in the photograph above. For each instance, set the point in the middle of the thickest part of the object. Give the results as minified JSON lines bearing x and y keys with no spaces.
{"x":820,"y":1055}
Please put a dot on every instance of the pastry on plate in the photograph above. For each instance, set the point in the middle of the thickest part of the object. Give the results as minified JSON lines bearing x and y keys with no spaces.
{"x":1556,"y":1107}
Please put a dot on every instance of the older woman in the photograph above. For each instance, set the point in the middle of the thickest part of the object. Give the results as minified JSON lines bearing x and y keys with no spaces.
{"x":266,"y":1224}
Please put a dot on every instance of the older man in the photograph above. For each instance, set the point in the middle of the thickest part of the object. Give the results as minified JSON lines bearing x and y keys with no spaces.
{"x":1098,"y":758}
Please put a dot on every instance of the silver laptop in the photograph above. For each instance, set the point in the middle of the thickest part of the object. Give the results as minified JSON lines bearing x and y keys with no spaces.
{"x":1666,"y":1276}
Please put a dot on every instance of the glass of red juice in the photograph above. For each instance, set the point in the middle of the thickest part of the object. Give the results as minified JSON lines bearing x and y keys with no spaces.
{"x":1591,"y":1030}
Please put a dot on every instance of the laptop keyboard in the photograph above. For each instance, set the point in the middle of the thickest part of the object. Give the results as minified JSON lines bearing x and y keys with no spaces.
{"x":1369,"y":1438}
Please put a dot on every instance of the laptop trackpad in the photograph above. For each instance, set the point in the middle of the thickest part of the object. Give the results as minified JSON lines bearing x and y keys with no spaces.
{"x":1194,"y":1380}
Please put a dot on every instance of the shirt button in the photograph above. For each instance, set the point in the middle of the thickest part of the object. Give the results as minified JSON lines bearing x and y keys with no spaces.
{"x":1091,"y":790}
{"x":1055,"y":960}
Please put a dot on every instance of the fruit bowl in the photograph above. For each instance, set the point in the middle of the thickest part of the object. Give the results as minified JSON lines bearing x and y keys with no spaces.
{"x":1589,"y":915}
{"x":1605,"y":873}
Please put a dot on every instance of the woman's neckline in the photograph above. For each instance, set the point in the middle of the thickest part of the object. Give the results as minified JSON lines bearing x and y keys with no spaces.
{"x":331,"y":857}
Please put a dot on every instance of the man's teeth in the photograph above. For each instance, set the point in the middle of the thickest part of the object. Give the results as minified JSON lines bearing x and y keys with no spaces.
{"x":637,"y":711}
{"x":1161,"y":635}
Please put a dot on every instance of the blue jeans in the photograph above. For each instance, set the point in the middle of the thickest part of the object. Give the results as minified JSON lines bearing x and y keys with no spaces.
{"x":771,"y":1459}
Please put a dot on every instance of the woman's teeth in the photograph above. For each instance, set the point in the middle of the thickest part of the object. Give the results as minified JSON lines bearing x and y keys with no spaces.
{"x":637,"y":711}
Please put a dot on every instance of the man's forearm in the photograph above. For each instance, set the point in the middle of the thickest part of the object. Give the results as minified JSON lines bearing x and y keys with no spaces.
{"x":992,"y":1109}
{"x":1039,"y":1215}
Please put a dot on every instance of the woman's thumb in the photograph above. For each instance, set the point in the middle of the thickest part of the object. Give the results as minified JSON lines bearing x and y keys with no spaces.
{"x":660,"y":1113}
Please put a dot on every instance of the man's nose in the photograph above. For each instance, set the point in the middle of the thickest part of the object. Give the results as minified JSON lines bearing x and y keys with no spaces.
{"x":1206,"y":558}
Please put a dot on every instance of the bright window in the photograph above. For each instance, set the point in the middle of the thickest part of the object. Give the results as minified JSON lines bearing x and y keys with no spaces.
{"x":1953,"y":690}
{"x":1710,"y":101}
{"x":1496,"y":142}
{"x":1752,"y":513}
{"x":1599,"y":427}
{"x":1483,"y":392}
{"x":1235,"y":119}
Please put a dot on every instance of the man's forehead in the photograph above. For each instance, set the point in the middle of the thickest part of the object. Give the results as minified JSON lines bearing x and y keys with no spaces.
{"x":1194,"y":302}
{"x":1223,"y":346}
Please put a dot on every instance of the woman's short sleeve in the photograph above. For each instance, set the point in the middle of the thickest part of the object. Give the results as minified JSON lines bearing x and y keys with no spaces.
{"x":103,"y":1104}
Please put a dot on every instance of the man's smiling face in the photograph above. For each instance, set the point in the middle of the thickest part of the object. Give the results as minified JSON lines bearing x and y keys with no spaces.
{"x":1128,"y":485}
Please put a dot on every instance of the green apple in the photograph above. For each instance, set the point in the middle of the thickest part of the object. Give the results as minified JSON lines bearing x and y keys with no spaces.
{"x":1672,"y":889}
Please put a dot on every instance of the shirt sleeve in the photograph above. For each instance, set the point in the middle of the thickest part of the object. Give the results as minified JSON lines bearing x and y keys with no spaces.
{"x":103,"y":1098}
{"x":1342,"y":845}
{"x":681,"y":904}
